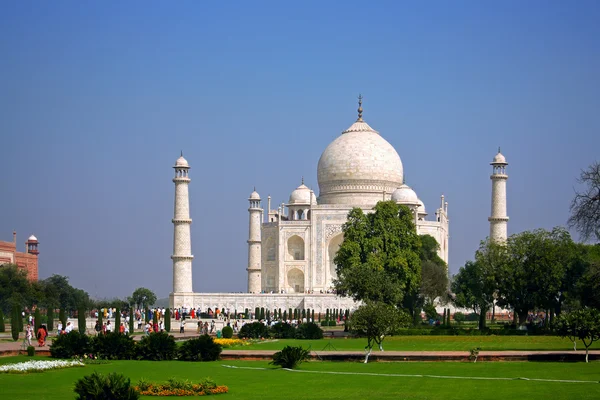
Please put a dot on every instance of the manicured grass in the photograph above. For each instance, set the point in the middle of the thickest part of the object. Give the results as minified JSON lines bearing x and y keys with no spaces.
{"x":274,"y":383}
{"x":430,"y":343}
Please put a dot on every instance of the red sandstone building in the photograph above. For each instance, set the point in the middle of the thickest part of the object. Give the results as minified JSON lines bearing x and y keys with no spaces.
{"x":27,"y":261}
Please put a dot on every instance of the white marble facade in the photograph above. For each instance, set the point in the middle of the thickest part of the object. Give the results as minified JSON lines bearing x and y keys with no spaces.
{"x":299,"y":239}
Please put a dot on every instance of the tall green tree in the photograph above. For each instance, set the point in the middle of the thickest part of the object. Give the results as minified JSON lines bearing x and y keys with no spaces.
{"x":585,"y":207}
{"x":81,"y":319}
{"x":117,"y":319}
{"x":62,"y":317}
{"x":2,"y":326}
{"x":15,"y":316}
{"x":50,"y":318}
{"x":375,"y":321}
{"x":587,"y":286}
{"x":534,"y":270}
{"x":168,"y":319}
{"x":14,"y":287}
{"x":379,"y":257}
{"x":37,"y":319}
{"x":142,"y":298}
{"x":131,"y":321}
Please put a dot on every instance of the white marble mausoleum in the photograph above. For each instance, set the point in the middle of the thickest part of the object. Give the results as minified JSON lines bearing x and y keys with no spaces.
{"x":291,"y":247}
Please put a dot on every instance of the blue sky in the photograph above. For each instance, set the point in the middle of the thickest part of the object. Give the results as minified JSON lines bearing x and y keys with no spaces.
{"x":98,"y":99}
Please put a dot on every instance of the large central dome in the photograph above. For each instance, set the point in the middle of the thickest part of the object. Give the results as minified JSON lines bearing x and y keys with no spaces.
{"x":357,"y":167}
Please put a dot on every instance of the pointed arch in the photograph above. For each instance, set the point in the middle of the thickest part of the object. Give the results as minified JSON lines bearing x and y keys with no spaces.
{"x":295,"y":248}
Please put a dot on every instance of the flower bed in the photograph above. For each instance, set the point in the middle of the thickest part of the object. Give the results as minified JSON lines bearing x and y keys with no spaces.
{"x":231,"y":342}
{"x":179,"y":388}
{"x":38,"y":366}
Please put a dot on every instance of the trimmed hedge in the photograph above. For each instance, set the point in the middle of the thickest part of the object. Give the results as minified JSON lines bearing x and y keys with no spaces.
{"x":309,"y":330}
{"x":72,"y":344}
{"x":328,"y":323}
{"x":200,"y":349}
{"x":255,"y":330}
{"x":157,"y":346}
{"x":227,"y":332}
{"x":114,"y":346}
{"x":283,"y":330}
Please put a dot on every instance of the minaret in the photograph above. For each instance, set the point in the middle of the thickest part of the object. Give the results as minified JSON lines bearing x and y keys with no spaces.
{"x":182,"y":246}
{"x":254,"y":244}
{"x":499,"y":219}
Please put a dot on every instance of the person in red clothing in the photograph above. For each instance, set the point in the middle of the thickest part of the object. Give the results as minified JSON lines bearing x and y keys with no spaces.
{"x":122,"y":329}
{"x":41,"y":336}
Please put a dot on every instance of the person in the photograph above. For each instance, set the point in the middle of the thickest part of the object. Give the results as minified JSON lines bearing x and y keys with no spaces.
{"x":122,"y":328}
{"x":29,"y":334}
{"x":127,"y":329}
{"x":41,"y":336}
{"x":199,"y":328}
{"x":108,"y":327}
{"x":182,"y":326}
{"x":98,"y":327}
{"x":212,"y":326}
{"x":161,"y":326}
{"x":69,"y":327}
{"x":59,"y":328}
{"x":147,"y":329}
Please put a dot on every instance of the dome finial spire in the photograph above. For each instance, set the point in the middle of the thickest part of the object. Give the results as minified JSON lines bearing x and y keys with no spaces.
{"x":498,"y":149}
{"x":181,"y":153}
{"x":303,"y":180}
{"x":360,"y":109}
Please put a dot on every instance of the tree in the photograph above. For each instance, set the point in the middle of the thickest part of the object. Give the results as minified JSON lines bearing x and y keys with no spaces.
{"x":131,"y":321}
{"x":50,"y":318}
{"x":587,"y":286}
{"x":473,"y":287}
{"x":376,"y":320}
{"x":81,"y":319}
{"x":14,"y":287}
{"x":2,"y":326}
{"x":532,"y":274}
{"x":117,"y":319}
{"x":62,"y":317}
{"x":585,"y":207}
{"x":142,"y":298}
{"x":37,"y":319}
{"x":379,"y":257}
{"x":15,"y":315}
{"x":59,"y":293}
{"x":168,"y":319}
{"x":583,"y":324}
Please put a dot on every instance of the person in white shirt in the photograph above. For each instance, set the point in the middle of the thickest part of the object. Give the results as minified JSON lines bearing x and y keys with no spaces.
{"x":108,"y":327}
{"x":69,"y":327}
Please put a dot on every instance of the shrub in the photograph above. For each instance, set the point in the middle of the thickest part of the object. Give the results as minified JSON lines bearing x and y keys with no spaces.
{"x":50,"y":318}
{"x":227,"y":332}
{"x":81,"y":319}
{"x":167,"y":320}
{"x":14,"y":322}
{"x":70,"y":345}
{"x":290,"y":356}
{"x":203,"y":348}
{"x":157,"y":347}
{"x":105,"y":387}
{"x":255,"y":330}
{"x":113,"y":346}
{"x":309,"y":330}
{"x":459,"y":317}
{"x":30,"y":351}
{"x":283,"y":330}
{"x":37,"y":320}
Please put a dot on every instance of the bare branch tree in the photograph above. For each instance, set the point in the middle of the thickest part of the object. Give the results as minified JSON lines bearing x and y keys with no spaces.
{"x":585,"y":207}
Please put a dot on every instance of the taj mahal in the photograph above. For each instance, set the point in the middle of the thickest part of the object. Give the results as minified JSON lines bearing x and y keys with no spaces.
{"x":291,"y":246}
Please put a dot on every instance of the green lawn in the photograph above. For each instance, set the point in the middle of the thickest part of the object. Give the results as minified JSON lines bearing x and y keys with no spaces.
{"x":431,"y":343}
{"x":317,"y":381}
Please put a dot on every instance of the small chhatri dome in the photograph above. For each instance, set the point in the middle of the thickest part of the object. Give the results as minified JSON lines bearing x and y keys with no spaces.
{"x":405,"y":195}
{"x":301,"y":195}
{"x":421,"y":208}
{"x":181,"y":162}
{"x":499,"y":158}
{"x":32,"y":238}
{"x":254,"y":195}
